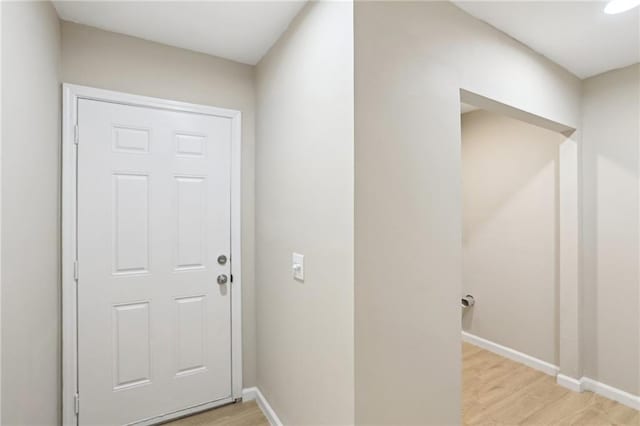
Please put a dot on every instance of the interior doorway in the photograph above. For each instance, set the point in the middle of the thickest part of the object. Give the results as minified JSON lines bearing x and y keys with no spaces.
{"x":519,"y":269}
{"x":510,"y":232}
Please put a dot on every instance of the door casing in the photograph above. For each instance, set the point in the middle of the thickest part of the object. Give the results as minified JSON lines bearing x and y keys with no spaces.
{"x":71,"y":94}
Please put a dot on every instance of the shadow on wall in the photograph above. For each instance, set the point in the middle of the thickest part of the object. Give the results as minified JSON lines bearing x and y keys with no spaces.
{"x":497,"y":170}
{"x":610,"y":161}
{"x":510,"y":231}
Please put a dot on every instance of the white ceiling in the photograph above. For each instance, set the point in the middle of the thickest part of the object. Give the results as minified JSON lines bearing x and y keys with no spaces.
{"x":242,"y":31}
{"x":577,"y":35}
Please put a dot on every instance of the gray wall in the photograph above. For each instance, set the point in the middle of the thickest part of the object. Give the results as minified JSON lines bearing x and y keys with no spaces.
{"x":509,"y":236}
{"x":304,"y":187}
{"x":411,"y":59}
{"x":611,"y":123}
{"x":30,"y":220}
{"x":107,"y":60}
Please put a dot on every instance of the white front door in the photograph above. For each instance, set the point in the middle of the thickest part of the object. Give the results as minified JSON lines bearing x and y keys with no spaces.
{"x":153,"y":200}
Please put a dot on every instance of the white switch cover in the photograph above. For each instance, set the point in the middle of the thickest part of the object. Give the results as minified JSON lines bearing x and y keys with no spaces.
{"x":297,"y":265}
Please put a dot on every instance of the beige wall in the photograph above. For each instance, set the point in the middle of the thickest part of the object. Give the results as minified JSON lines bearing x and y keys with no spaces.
{"x":411,"y":59}
{"x":509,"y":232}
{"x":611,"y":122}
{"x":30,"y":219}
{"x":304,"y":187}
{"x":107,"y":60}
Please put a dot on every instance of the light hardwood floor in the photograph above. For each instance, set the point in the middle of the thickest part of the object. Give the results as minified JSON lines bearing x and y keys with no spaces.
{"x":238,"y":414}
{"x":496,"y":391}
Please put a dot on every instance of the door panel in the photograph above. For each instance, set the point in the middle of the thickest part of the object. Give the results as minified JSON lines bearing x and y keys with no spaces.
{"x":130,"y":212}
{"x":191,"y":214}
{"x":190,"y":335}
{"x":154,"y":327}
{"x":131,"y":345}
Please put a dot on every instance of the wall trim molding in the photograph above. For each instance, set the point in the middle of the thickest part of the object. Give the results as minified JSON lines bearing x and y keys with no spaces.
{"x":253,"y":393}
{"x":512,"y":354}
{"x":615,"y":394}
{"x":575,"y":385}
{"x":569,"y":383}
{"x":609,"y":392}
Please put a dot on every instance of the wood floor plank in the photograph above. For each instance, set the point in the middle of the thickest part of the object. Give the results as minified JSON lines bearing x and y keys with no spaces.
{"x":238,"y":414}
{"x":561,"y":409}
{"x":498,"y":391}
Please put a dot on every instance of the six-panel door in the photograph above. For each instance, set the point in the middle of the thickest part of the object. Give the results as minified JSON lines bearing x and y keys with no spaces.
{"x":154,"y":326}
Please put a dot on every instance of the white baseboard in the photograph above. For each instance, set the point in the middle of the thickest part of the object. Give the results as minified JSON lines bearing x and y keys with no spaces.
{"x":250,"y":394}
{"x":569,"y":383}
{"x":609,"y":392}
{"x":512,"y":354}
{"x":624,"y":398}
{"x":576,"y":385}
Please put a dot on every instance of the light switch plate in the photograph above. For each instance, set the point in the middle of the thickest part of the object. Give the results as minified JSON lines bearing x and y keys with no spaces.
{"x":297,"y":265}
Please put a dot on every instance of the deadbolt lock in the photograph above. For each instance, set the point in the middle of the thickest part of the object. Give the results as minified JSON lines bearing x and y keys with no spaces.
{"x":222,"y":279}
{"x":222,"y":259}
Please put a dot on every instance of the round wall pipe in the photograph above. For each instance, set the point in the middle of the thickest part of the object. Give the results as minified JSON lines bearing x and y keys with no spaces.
{"x":468,"y":301}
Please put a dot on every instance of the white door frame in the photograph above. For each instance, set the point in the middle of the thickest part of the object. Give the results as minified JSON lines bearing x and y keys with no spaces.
{"x":71,"y":95}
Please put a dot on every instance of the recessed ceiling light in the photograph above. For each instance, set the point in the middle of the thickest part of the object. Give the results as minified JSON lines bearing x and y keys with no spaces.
{"x":619,"y":6}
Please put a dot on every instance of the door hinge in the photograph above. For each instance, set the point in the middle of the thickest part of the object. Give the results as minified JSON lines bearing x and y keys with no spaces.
{"x":76,"y":134}
{"x":75,"y":270}
{"x":231,"y":277}
{"x":76,"y":403}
